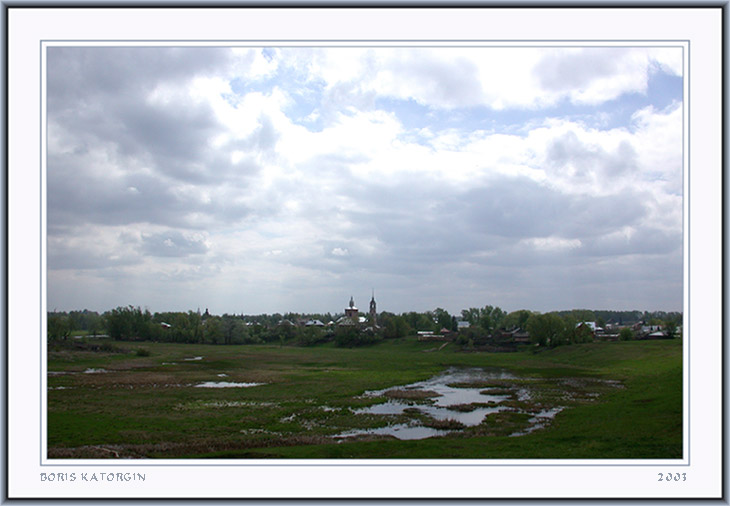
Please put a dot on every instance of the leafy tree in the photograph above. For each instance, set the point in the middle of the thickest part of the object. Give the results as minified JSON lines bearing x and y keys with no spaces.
{"x":490,"y":318}
{"x":394,"y":327}
{"x":420,"y":321}
{"x":516,"y":319}
{"x":284,"y":332}
{"x":670,"y":327}
{"x":257,"y":333}
{"x":471,"y":315}
{"x":194,"y":324}
{"x":583,"y":315}
{"x":547,"y":329}
{"x":310,"y":336}
{"x":626,"y":334}
{"x":213,"y":332}
{"x":471,"y":335}
{"x":350,"y":335}
{"x":443,"y":318}
{"x":130,"y":323}
{"x":59,"y":326}
{"x":234,"y":330}
{"x":582,"y":334}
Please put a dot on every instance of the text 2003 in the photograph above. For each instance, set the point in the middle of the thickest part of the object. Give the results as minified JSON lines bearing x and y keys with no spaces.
{"x":672,"y":477}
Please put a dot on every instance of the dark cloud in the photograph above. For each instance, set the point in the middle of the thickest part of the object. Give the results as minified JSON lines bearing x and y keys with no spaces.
{"x":645,"y":241}
{"x":419,"y":226}
{"x":107,"y":102}
{"x":85,"y":257}
{"x":100,"y":113}
{"x":79,"y":195}
{"x":173,"y":138}
{"x":522,"y":208}
{"x":81,"y":74}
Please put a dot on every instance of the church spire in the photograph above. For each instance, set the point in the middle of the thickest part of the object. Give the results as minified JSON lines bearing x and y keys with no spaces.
{"x":373,"y":311}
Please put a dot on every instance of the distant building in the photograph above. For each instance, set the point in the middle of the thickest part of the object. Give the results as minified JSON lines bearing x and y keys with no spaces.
{"x":373,"y":312}
{"x":352,"y":312}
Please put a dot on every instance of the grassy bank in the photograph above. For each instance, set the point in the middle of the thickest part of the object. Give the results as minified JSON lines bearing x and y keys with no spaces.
{"x":117,"y":401}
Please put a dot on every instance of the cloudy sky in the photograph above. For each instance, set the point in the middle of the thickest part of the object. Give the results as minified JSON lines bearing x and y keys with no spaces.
{"x":252,"y":180}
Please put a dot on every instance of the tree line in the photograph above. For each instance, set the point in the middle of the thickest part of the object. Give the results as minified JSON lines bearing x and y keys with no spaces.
{"x":485,"y":324}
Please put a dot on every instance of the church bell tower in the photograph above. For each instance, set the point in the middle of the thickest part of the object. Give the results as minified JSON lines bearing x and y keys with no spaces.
{"x":373,"y":311}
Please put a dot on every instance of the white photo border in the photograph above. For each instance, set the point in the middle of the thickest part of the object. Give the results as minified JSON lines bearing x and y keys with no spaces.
{"x":697,"y":31}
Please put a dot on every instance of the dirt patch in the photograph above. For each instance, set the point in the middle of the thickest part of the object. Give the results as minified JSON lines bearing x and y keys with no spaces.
{"x":468,"y":408}
{"x":173,"y":450}
{"x":498,"y":391}
{"x":406,"y":394}
{"x":448,"y":424}
{"x":125,"y":379}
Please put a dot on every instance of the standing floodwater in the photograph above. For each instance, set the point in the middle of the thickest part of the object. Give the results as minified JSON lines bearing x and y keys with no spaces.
{"x":460,"y":399}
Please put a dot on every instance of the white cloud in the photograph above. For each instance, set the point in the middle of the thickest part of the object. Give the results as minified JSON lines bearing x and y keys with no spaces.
{"x":498,"y":78}
{"x":197,"y":188}
{"x":552,"y":243}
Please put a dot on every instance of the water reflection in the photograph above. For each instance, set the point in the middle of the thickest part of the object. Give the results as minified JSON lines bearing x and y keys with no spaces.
{"x":461,"y":398}
{"x":401,"y":431}
{"x":444,"y":398}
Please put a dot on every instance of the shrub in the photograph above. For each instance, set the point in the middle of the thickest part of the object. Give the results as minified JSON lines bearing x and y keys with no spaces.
{"x":311,"y":336}
{"x":349,"y":336}
{"x":626,"y":334}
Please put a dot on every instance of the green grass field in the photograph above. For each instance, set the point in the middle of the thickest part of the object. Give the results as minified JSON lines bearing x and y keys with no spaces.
{"x":129,"y":404}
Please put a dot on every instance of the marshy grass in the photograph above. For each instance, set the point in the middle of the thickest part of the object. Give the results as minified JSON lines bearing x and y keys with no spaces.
{"x":407,"y":394}
{"x":622,"y":400}
{"x":447,"y":424}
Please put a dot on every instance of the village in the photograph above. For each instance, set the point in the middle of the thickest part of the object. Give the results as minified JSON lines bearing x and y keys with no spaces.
{"x":488,"y":328}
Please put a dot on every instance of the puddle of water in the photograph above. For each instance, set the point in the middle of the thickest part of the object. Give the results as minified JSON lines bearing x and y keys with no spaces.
{"x":95,"y":371}
{"x":226,"y":384}
{"x":452,"y":396}
{"x":447,"y":395}
{"x":468,"y":418}
{"x":436,"y":406}
{"x":193,"y":358}
{"x":222,"y":375}
{"x":401,"y":431}
{"x":539,"y":421}
{"x":453,"y":399}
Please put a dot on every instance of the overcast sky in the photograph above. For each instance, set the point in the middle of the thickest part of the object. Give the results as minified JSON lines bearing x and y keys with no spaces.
{"x":262,"y":180}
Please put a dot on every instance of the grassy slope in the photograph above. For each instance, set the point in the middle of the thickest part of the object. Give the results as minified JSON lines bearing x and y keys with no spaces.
{"x":128,"y":406}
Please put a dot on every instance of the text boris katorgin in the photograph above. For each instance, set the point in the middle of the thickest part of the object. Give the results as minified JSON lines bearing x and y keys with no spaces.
{"x":93,"y":477}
